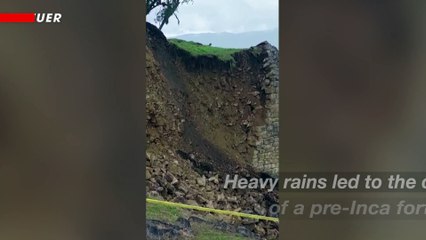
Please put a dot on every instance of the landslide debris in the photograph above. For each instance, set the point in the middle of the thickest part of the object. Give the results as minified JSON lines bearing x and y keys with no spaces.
{"x":200,"y":112}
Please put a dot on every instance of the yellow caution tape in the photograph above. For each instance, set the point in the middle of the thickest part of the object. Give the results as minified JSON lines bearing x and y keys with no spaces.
{"x":204,"y":209}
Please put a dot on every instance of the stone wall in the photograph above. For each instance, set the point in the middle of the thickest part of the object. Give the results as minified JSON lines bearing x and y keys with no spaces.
{"x":266,"y":153}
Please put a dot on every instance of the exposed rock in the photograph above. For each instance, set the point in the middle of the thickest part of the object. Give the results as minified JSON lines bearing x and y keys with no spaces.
{"x":154,"y":194}
{"x":272,"y":233}
{"x":249,"y":221}
{"x":260,"y":230}
{"x":232,"y":199}
{"x":259,"y":209}
{"x":210,"y":204}
{"x":160,"y":230}
{"x":251,"y":140}
{"x":170,"y":178}
{"x":201,"y":199}
{"x":191,"y":202}
{"x":220,"y":197}
{"x":201,"y":181}
{"x":182,"y":187}
{"x":214,"y":179}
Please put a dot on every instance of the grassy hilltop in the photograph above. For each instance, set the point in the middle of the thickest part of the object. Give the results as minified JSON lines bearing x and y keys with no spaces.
{"x":198,"y":49}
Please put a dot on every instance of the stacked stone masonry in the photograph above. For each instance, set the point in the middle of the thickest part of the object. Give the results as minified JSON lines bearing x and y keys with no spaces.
{"x":266,"y":153}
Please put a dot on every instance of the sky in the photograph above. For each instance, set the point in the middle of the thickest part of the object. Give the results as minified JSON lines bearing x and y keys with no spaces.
{"x":213,"y":16}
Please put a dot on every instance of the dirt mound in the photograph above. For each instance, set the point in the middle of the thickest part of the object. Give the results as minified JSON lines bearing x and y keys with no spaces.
{"x":201,"y":115}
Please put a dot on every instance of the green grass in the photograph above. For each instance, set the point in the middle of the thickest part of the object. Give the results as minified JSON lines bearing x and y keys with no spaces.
{"x":201,"y":231}
{"x":196,"y":49}
{"x":163,"y":213}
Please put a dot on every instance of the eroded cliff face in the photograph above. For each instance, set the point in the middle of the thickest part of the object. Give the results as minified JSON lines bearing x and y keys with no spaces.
{"x":208,"y":118}
{"x":229,"y":113}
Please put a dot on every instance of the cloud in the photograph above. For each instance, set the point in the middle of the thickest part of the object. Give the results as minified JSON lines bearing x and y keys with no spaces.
{"x":223,"y":16}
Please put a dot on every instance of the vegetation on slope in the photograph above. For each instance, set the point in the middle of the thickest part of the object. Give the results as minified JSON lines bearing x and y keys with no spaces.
{"x":198,"y":49}
{"x":163,"y":213}
{"x":204,"y":232}
{"x":201,"y":231}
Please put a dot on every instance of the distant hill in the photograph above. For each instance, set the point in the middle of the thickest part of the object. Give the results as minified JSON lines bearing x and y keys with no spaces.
{"x":234,"y":40}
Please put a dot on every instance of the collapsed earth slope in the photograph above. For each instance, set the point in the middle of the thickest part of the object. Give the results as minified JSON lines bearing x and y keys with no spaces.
{"x":207,"y":118}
